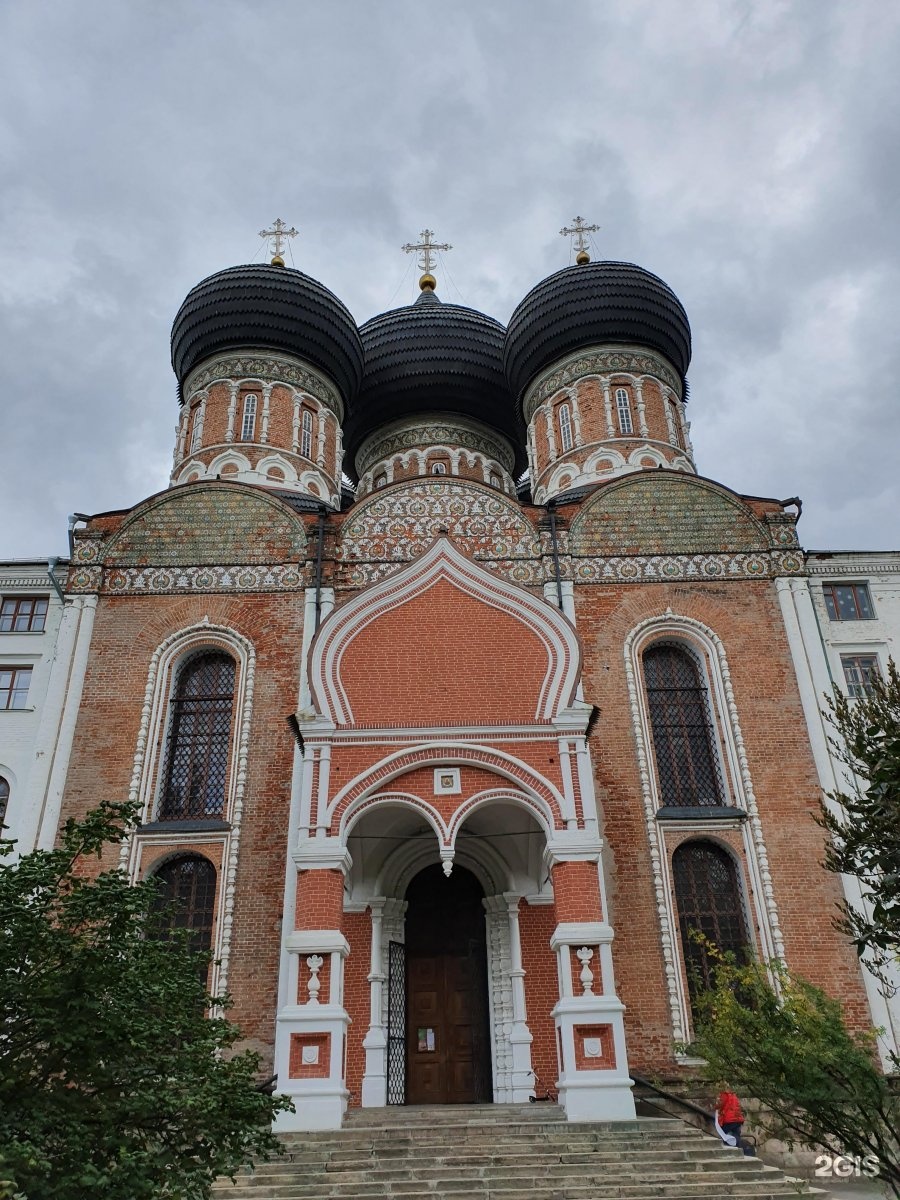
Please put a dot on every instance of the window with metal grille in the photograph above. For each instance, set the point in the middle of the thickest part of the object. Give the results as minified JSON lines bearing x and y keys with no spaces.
{"x":623,"y":408}
{"x":186,"y":899}
{"x":4,"y":799}
{"x":708,"y":900}
{"x":848,"y":602}
{"x":859,"y":671}
{"x":14,"y":685}
{"x":306,"y":423}
{"x":248,"y":425}
{"x":196,"y":762}
{"x":23,"y":614}
{"x":687,"y":767}
{"x":565,"y":427}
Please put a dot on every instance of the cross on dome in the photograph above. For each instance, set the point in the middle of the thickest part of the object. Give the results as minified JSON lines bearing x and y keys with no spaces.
{"x":277,"y":235}
{"x":425,"y":249}
{"x":576,"y":231}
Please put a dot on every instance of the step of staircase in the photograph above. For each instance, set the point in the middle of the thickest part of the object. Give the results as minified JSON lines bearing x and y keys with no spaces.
{"x":507,"y":1152}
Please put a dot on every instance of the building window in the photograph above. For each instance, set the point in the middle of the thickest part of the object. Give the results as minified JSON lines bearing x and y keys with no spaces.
{"x":687,"y":766}
{"x":186,"y":900}
{"x":23,"y":614}
{"x":196,"y":430}
{"x":565,"y":427}
{"x":623,"y":408}
{"x":848,"y":601}
{"x":14,"y":685}
{"x":859,"y":671}
{"x":199,"y":738}
{"x":380,"y":481}
{"x":708,"y":900}
{"x":438,"y":468}
{"x":306,"y":423}
{"x":4,"y":800}
{"x":248,"y":424}
{"x":496,"y":481}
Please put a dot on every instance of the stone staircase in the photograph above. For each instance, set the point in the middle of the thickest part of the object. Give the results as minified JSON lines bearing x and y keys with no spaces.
{"x":507,"y":1152}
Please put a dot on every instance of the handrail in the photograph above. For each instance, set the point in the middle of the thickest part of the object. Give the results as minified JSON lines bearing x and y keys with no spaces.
{"x":688,"y":1104}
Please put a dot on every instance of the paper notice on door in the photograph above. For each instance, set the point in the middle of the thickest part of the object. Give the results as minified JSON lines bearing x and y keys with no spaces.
{"x":426,"y":1041}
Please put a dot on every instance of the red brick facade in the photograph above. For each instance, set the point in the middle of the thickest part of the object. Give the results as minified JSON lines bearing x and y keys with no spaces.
{"x":449,"y":712}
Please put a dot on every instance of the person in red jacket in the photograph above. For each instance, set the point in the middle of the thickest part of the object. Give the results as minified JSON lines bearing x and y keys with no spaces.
{"x":730,"y":1117}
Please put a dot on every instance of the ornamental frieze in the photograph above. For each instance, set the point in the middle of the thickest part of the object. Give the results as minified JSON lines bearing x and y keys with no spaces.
{"x":359,"y":575}
{"x":599,"y":362}
{"x":160,"y":581}
{"x":268,"y":369}
{"x":419,"y":436}
{"x":396,"y":527}
{"x":663,"y":568}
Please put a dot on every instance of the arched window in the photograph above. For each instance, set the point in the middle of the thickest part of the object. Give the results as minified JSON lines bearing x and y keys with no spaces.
{"x":496,"y":481}
{"x":708,"y":899}
{"x":380,"y":481}
{"x":438,"y":468}
{"x":564,"y":417}
{"x":623,"y":408}
{"x":306,"y":423}
{"x":248,"y":424}
{"x":4,"y":800}
{"x":687,"y":767}
{"x":186,"y":898}
{"x":199,"y":737}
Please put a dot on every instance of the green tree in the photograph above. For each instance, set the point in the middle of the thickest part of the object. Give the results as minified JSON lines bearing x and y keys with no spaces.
{"x":116,"y":1080}
{"x":864,"y":822}
{"x":788,"y":1047}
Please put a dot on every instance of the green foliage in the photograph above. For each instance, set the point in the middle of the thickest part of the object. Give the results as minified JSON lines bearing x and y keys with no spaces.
{"x":115,"y":1084}
{"x":788,"y":1047}
{"x":865,"y":822}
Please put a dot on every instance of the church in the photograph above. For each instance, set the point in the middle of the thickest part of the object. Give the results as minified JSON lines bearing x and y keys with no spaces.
{"x":453,"y":695}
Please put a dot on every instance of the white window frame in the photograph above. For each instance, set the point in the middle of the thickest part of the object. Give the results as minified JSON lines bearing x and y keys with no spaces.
{"x":564,"y":421}
{"x":248,"y":418}
{"x":623,"y":411}
{"x":306,"y":433}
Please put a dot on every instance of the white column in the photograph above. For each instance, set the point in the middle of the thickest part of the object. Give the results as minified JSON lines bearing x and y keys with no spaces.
{"x":320,"y":442}
{"x":529,"y":448}
{"x":197,"y":435}
{"x":182,"y":433}
{"x":520,"y":1039}
{"x":53,"y":794}
{"x":670,"y":423}
{"x":685,"y":429}
{"x":267,"y":397}
{"x":576,"y":414}
{"x":374,"y":1084}
{"x":607,"y":409}
{"x":551,"y":433}
{"x":639,"y":400}
{"x":232,"y":411}
{"x":339,"y":457}
{"x":295,"y":425}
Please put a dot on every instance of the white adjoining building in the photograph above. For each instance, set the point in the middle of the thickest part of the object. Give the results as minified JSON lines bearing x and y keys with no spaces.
{"x":843,"y":624}
{"x":44,"y":642}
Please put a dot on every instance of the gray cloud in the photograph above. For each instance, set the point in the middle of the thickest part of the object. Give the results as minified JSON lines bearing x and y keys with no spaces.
{"x":743,"y":150}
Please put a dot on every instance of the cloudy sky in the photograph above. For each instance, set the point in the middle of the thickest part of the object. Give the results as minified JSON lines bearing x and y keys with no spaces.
{"x":744,"y":150}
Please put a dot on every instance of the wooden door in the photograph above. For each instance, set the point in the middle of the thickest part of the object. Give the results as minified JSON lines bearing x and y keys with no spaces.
{"x":447,"y":1044}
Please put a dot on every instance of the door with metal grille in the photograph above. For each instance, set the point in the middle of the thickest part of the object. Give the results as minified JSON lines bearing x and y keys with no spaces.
{"x":396,"y":1031}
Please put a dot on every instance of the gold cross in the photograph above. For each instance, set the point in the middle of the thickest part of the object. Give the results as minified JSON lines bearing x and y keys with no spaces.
{"x":278,"y":233}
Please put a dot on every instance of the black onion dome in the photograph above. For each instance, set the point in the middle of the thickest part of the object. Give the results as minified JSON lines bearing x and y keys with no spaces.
{"x":432,"y":357}
{"x":591,"y":304}
{"x":268,"y":308}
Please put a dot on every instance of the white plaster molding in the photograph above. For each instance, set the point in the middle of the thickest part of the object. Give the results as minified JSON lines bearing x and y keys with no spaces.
{"x":443,"y":561}
{"x":144,"y":784}
{"x":712,"y":649}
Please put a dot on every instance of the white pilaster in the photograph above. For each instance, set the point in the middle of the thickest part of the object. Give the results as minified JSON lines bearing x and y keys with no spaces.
{"x":607,"y":410}
{"x":267,"y":399}
{"x":374,"y":1084}
{"x":639,"y":400}
{"x":232,"y":411}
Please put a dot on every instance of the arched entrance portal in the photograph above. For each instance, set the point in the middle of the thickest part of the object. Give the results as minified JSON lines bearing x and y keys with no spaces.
{"x":448,"y":1048}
